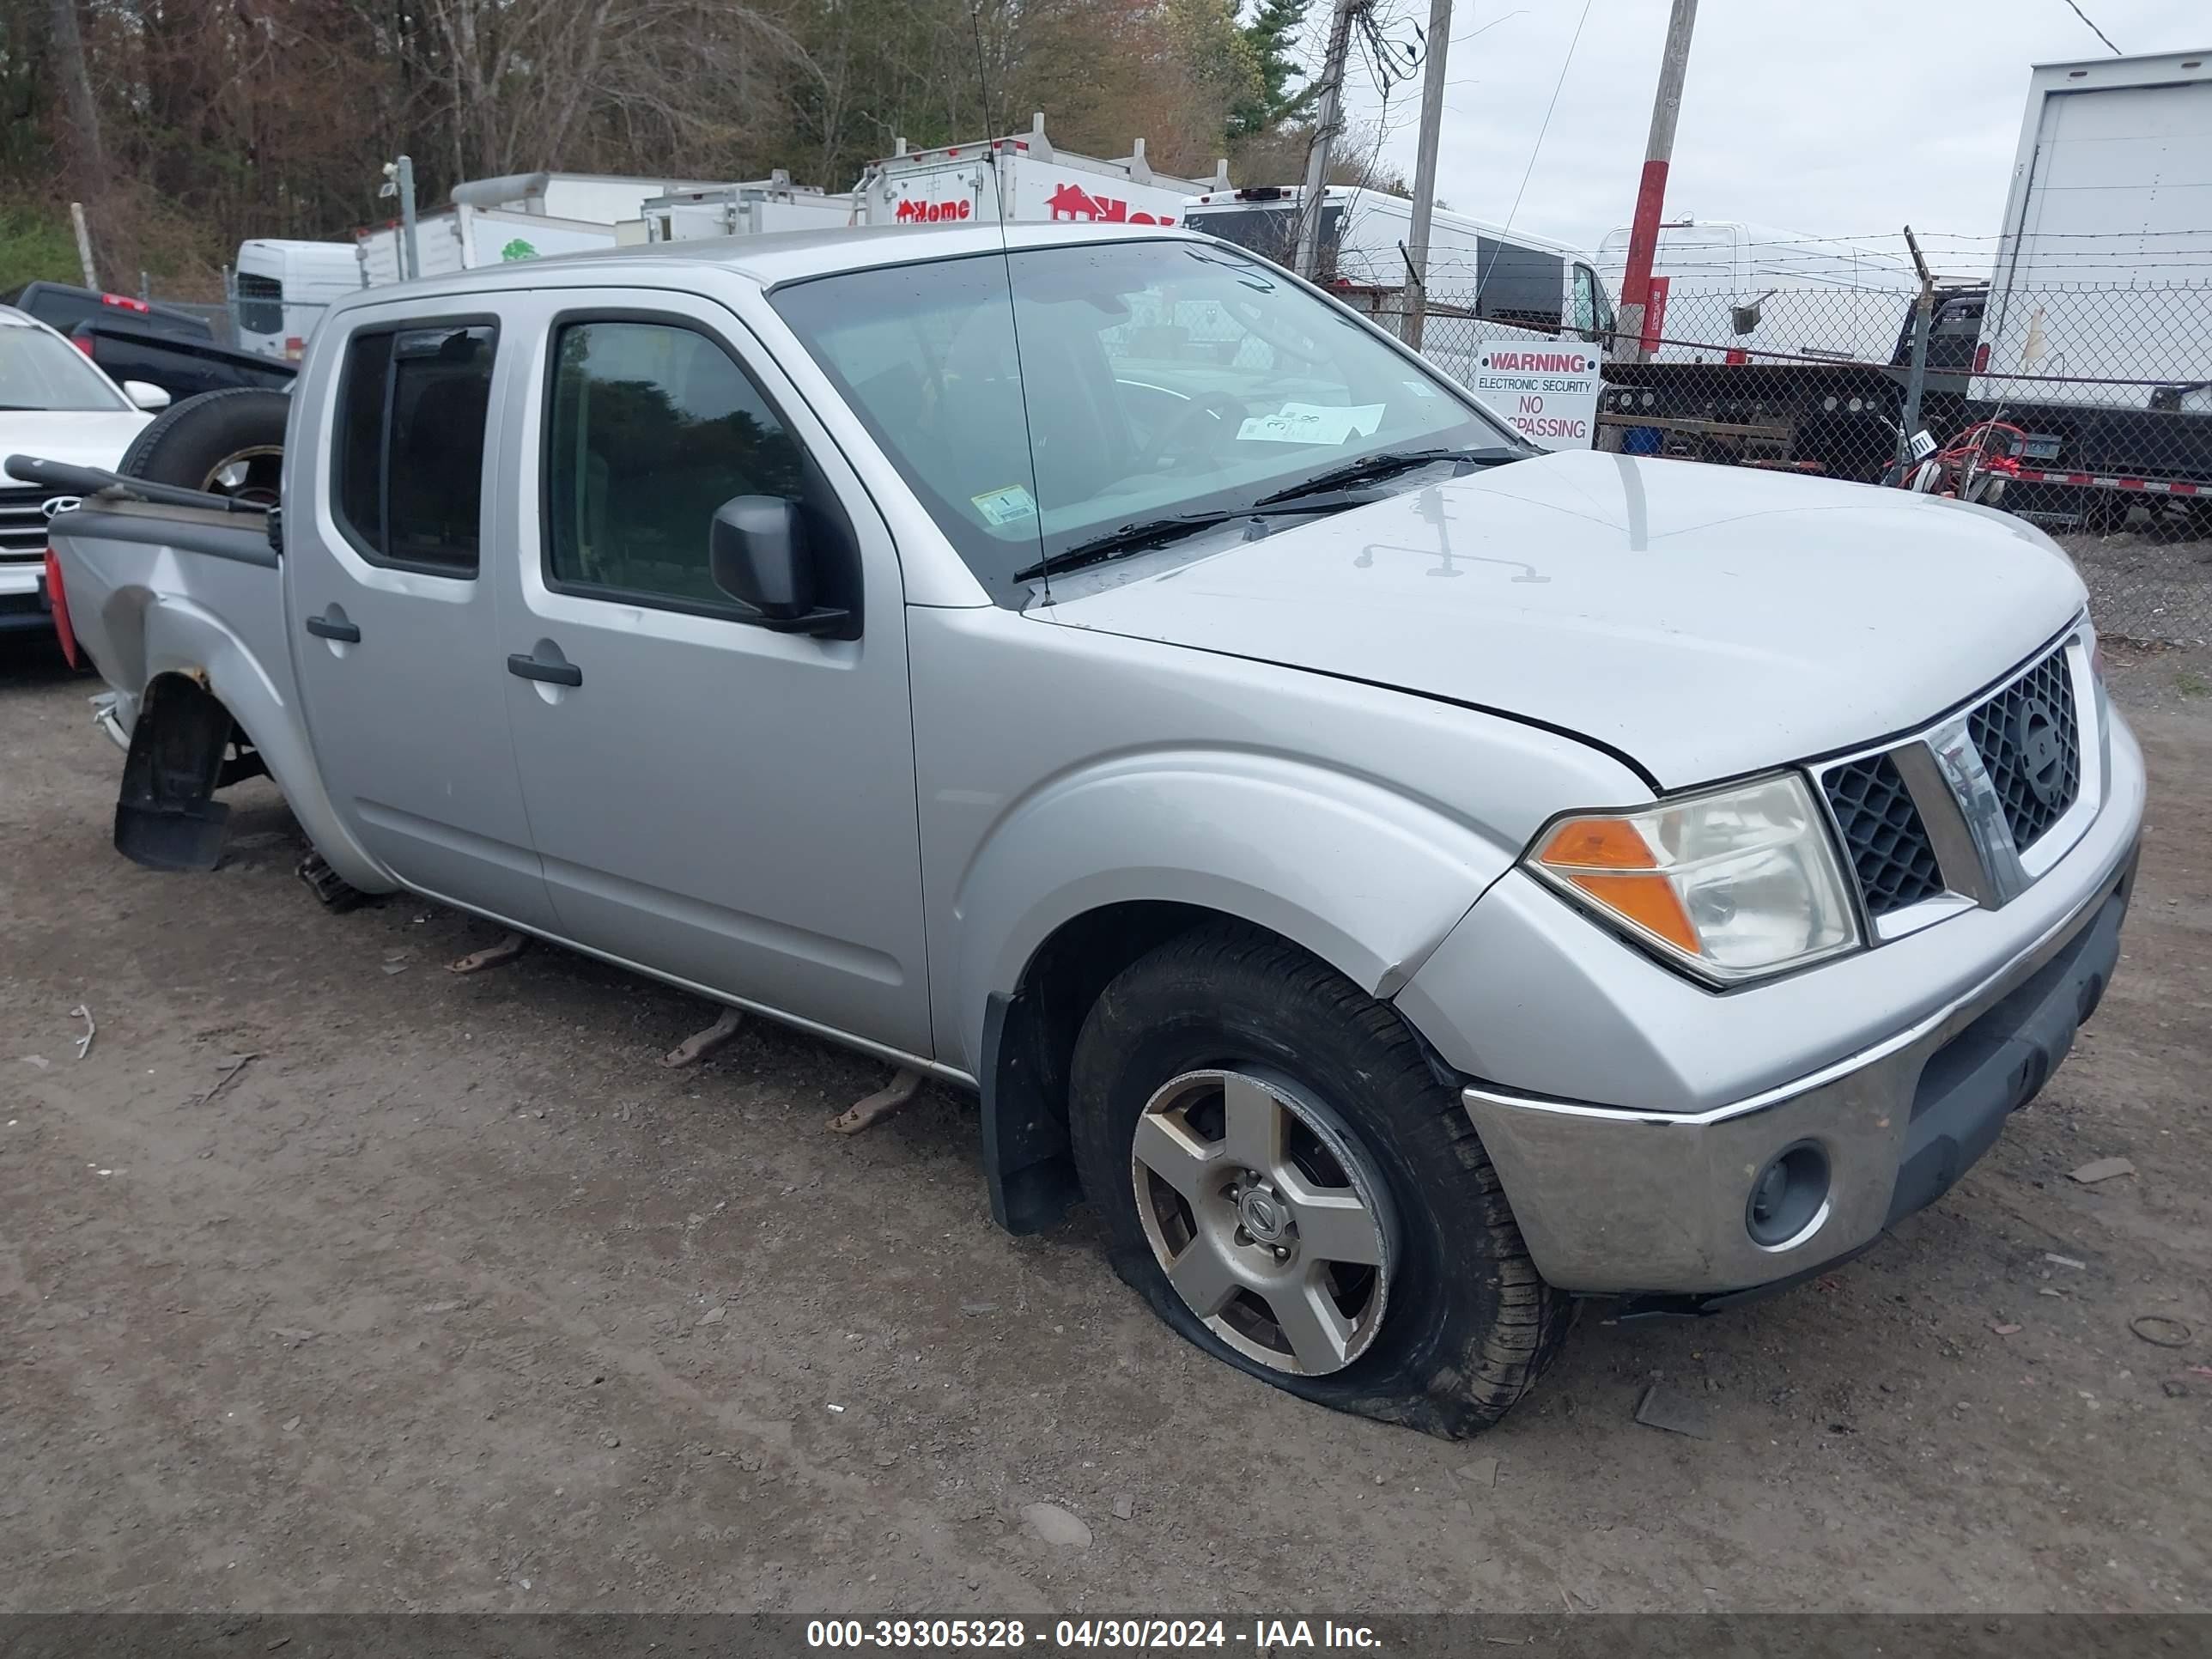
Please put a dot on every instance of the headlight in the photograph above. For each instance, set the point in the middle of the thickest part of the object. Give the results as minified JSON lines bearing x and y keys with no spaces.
{"x":1732,"y":886}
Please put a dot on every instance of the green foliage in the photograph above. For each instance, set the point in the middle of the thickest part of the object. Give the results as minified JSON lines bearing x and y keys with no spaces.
{"x":1270,"y":40}
{"x":36,"y":244}
{"x":217,"y":120}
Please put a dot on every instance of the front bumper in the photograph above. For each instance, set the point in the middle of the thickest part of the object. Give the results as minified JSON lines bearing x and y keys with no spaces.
{"x":23,"y":605}
{"x":1656,"y":1204}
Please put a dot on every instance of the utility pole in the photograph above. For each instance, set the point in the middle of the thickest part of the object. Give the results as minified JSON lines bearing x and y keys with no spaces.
{"x":1651,"y":190}
{"x":407,"y":217}
{"x":1923,"y":315}
{"x":1326,"y":126}
{"x":399,"y":180}
{"x":83,"y":243}
{"x":1425,"y":165}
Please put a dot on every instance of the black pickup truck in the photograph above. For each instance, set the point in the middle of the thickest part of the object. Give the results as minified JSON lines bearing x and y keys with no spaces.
{"x":136,"y":340}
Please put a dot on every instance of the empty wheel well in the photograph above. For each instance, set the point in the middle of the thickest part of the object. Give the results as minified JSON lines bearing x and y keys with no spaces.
{"x":1028,"y":1041}
{"x":185,"y":745}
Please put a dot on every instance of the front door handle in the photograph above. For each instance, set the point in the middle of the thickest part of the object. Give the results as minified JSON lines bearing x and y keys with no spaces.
{"x":324,"y":628}
{"x":553,"y":673}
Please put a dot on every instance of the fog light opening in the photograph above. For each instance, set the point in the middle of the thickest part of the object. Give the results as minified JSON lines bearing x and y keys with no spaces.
{"x":1789,"y":1198}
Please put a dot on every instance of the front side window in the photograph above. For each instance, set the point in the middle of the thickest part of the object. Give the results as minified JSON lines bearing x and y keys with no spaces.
{"x":409,"y":446}
{"x":39,"y":370}
{"x":653,"y":427}
{"x":1037,"y":401}
{"x":1585,"y":319}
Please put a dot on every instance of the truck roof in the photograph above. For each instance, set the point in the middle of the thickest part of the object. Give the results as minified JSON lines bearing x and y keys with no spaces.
{"x":1358,"y":200}
{"x":774,"y":256}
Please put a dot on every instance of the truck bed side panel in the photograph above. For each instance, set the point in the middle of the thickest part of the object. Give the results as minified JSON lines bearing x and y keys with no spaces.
{"x":171,"y":591}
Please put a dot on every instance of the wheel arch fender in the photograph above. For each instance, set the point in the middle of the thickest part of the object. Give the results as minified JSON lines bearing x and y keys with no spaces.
{"x":185,"y":642}
{"x":1096,"y":868}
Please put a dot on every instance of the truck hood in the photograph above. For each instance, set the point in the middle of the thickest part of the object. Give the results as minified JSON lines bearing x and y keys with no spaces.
{"x":79,"y":437}
{"x":1702,"y":622}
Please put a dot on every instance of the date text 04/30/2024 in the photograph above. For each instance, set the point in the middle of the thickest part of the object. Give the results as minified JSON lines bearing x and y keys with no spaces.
{"x":1259,"y":1635}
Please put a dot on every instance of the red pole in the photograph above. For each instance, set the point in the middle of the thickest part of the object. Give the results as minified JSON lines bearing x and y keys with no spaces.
{"x":1651,"y":188}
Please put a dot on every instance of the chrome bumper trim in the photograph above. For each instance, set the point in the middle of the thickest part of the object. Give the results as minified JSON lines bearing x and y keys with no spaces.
{"x":1604,"y":1211}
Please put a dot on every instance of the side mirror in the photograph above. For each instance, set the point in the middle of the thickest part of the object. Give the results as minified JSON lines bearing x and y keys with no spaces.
{"x":757,"y":554}
{"x":146,"y":395}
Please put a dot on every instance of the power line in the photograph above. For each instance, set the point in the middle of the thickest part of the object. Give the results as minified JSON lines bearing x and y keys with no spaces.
{"x":2093,"y":29}
{"x":1544,"y":126}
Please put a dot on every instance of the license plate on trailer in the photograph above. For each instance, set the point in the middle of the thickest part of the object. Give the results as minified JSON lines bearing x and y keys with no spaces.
{"x":2040,"y":448}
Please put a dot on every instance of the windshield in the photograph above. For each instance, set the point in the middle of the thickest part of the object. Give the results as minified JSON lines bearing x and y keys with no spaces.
{"x":39,"y":370}
{"x":1272,"y":232}
{"x":1162,"y":380}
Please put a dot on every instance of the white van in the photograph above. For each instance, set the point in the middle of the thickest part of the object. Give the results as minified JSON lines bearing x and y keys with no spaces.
{"x":1738,"y":288}
{"x":283,"y":288}
{"x":1518,"y":284}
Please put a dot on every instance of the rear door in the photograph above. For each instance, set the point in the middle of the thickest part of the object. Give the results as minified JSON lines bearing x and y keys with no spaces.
{"x":393,"y":635}
{"x":949,"y":192}
{"x":720,"y":802}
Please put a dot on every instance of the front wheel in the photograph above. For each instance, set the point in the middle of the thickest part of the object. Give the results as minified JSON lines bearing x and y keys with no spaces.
{"x":1288,"y":1183}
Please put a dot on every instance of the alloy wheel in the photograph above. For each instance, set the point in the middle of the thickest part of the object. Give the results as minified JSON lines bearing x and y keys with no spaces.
{"x":1265,"y":1217}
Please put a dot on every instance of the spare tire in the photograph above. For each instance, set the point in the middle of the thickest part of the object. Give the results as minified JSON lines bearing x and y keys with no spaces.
{"x":229,"y":443}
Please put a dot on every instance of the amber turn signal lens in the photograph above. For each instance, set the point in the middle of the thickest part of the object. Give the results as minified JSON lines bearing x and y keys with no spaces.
{"x":1597,"y":844}
{"x":1649,"y":901}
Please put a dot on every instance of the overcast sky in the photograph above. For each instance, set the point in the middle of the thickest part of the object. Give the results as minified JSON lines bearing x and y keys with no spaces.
{"x":1826,"y":117}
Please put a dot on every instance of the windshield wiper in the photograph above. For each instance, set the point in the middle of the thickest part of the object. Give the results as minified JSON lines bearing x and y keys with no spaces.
{"x":1142,"y":538}
{"x":1372,"y":468}
{"x":1129,"y":538}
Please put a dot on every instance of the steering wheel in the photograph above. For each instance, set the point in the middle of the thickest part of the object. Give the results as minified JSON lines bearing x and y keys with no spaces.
{"x":1175,"y":437}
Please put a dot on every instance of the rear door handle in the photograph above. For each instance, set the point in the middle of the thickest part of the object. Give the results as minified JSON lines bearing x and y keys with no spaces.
{"x":324,"y":628}
{"x":553,"y":673}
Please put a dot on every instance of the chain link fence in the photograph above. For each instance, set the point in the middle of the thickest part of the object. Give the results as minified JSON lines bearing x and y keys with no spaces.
{"x":2085,"y":408}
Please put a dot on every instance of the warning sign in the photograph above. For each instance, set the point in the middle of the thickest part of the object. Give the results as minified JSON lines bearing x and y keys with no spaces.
{"x":1548,"y":392}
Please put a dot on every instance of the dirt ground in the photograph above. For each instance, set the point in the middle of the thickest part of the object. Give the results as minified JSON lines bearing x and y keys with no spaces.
{"x":453,"y":1298}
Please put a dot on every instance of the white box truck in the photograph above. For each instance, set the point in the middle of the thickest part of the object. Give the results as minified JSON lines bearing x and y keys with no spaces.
{"x":967,"y":182}
{"x":521,"y":215}
{"x":751,"y":208}
{"x":2096,"y":338}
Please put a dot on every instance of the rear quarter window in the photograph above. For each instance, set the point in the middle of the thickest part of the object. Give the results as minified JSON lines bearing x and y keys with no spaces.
{"x":408,"y":447}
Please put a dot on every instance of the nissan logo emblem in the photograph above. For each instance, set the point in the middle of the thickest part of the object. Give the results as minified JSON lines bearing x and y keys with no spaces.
{"x":2042,"y":751}
{"x":54,"y":504}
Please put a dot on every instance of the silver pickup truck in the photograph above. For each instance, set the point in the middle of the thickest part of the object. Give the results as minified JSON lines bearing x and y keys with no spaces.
{"x":1404,"y":882}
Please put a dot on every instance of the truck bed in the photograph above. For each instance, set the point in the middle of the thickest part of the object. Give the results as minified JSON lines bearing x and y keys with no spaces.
{"x":154,"y":590}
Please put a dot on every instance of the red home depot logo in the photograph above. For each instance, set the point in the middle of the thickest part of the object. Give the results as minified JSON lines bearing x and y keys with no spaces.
{"x":931,"y":213}
{"x":1073,"y":202}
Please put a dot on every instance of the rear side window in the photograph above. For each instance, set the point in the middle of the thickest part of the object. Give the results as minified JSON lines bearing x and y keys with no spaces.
{"x":1520,"y":285}
{"x":409,"y":448}
{"x":260,"y":303}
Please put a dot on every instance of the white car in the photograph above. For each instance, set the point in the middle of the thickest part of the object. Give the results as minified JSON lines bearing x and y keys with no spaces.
{"x":54,"y":401}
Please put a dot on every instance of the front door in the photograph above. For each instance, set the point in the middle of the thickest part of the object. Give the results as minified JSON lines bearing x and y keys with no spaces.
{"x":719,"y":802}
{"x":391,"y":610}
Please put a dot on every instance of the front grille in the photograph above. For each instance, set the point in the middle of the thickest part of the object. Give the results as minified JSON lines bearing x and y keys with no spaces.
{"x":2030,"y":744}
{"x":22,"y":526}
{"x":1884,"y":834}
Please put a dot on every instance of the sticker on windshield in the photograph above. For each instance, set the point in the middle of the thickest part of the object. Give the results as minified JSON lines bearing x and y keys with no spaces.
{"x":1312,"y":423}
{"x":1418,"y":388}
{"x":1005,"y":506}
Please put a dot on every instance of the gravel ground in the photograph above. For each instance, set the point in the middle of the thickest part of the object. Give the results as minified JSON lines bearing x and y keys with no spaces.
{"x":2147,"y":583}
{"x":451,"y":1298}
